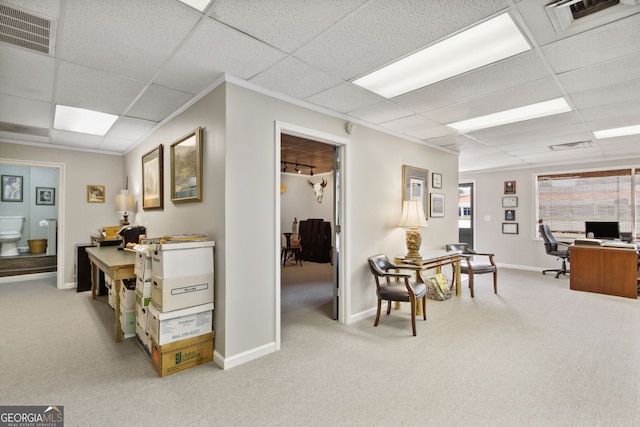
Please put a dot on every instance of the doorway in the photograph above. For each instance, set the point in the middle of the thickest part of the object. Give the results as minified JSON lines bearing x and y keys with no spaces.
{"x":335,"y":178}
{"x":466,"y":219}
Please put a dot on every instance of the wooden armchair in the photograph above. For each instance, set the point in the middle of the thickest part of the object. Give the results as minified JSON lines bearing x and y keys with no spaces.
{"x":472,"y":266}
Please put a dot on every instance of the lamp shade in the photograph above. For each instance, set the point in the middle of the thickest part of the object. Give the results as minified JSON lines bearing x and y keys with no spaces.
{"x":412,"y":214}
{"x":125,"y":202}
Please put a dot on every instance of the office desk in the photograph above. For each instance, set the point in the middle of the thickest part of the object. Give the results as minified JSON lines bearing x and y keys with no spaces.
{"x":604,"y":270}
{"x":434,"y":259}
{"x":115,"y":264}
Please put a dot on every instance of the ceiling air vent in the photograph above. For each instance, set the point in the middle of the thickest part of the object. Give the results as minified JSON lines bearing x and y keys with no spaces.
{"x":565,"y":13}
{"x":572,"y":145}
{"x":22,"y":29}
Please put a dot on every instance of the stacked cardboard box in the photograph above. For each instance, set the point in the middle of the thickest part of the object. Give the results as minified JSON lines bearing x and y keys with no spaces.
{"x":142,"y":269}
{"x":180,"y":315}
{"x":128,"y":308}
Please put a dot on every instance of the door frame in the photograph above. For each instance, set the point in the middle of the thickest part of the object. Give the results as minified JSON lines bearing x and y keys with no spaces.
{"x":344,"y":147}
{"x":472,"y":183}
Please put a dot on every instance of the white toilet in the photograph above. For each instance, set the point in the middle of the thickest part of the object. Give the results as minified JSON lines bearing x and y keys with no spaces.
{"x":10,"y":234}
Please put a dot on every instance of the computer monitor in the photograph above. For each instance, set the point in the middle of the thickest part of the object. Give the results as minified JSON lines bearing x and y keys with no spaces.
{"x":602,"y":229}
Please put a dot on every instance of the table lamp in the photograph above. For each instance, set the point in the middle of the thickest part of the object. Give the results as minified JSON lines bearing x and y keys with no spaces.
{"x":125,"y":204}
{"x":413,"y":218}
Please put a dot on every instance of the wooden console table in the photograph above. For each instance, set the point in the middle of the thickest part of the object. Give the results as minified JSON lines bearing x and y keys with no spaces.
{"x":604,"y":270}
{"x":434,"y":259}
{"x":117,"y":265}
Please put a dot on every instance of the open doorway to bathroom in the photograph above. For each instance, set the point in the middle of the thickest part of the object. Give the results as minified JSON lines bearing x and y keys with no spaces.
{"x":35,"y":205}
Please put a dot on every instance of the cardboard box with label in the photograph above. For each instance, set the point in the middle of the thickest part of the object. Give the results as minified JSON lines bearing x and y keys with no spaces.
{"x":171,"y":326}
{"x":181,"y":355}
{"x":171,"y":260}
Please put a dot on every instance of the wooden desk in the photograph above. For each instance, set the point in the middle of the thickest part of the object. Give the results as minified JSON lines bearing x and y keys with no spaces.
{"x":115,"y":264}
{"x":604,"y":270}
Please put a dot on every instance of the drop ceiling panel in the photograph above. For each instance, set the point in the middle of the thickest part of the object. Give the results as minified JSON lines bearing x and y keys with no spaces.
{"x":295,"y":78}
{"x":575,"y":131}
{"x":528,"y":127}
{"x":115,"y":145}
{"x":25,"y":112}
{"x":380,"y":32}
{"x":410,"y":124}
{"x":92,"y":89}
{"x":72,"y":139}
{"x":513,"y":97}
{"x":601,"y":44}
{"x":611,"y":94}
{"x":344,"y":98}
{"x":130,"y":129}
{"x":49,"y":9}
{"x":520,"y":69}
{"x":158,"y":102}
{"x":381,"y":112}
{"x":597,"y":76}
{"x":291,"y":24}
{"x":101,"y":35}
{"x":26,"y":74}
{"x":214,"y":49}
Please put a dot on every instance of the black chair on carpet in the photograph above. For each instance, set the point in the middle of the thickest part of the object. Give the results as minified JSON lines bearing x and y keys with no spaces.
{"x":403,"y":291}
{"x":551,"y":247}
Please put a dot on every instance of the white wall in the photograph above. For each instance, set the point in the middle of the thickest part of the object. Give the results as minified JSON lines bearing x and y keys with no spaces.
{"x":523,"y":250}
{"x":299,"y":200}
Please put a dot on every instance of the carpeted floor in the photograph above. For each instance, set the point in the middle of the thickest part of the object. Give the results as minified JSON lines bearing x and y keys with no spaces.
{"x":537,"y":354}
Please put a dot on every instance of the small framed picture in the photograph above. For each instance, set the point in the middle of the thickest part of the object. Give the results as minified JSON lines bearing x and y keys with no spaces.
{"x":436,"y":180}
{"x":509,"y":187}
{"x":95,"y":193}
{"x":510,"y":202}
{"x":437,"y":205}
{"x":11,"y":188}
{"x":509,"y":228}
{"x":45,"y":196}
{"x":510,"y":215}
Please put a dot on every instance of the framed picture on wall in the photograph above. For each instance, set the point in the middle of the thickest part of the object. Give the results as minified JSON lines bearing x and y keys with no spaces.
{"x":415,"y":182}
{"x":436,"y":180}
{"x":152,"y":179}
{"x":437,"y":205}
{"x":509,"y":187}
{"x":509,"y":202}
{"x":11,"y":188}
{"x":510,"y":215}
{"x":186,"y":168}
{"x":509,"y":228}
{"x":95,"y":193}
{"x":45,"y":196}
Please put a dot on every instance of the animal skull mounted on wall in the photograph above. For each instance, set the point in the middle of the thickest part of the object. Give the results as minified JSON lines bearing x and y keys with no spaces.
{"x":318,"y":189}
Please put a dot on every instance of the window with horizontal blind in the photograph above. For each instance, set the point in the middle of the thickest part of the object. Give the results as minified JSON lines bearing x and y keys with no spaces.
{"x":567,"y":200}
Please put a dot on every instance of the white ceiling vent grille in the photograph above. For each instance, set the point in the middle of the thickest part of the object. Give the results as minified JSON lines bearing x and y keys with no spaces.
{"x":25,"y":30}
{"x":567,"y":13}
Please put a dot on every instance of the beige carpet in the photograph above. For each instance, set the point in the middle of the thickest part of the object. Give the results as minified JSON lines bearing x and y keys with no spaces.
{"x":537,"y":354}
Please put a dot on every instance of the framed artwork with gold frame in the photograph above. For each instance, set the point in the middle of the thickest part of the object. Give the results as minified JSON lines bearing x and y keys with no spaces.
{"x":95,"y":193}
{"x":153,"y":179}
{"x":186,"y":168}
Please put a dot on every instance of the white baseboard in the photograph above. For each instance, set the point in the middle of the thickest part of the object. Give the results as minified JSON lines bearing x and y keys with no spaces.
{"x":244,"y":357}
{"x":26,"y":277}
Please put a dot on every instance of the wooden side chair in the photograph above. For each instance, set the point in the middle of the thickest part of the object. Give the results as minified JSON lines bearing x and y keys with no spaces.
{"x":403,"y":291}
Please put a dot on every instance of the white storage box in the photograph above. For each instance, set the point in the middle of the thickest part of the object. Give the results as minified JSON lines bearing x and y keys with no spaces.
{"x":111,"y":297}
{"x":142,"y":312}
{"x":172,"y":326}
{"x":127,"y":298}
{"x":143,"y":338}
{"x":170,"y":260}
{"x":181,"y":292}
{"x":142,"y":267}
{"x":144,"y":288}
{"x":128,"y":323}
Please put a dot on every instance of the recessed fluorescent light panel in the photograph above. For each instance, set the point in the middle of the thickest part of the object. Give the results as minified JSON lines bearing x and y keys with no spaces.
{"x":533,"y":111}
{"x":83,"y":121}
{"x":612,"y":133}
{"x":491,"y":41}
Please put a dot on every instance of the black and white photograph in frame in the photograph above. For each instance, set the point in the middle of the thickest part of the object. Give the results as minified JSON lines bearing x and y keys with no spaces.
{"x":45,"y":196}
{"x":510,"y":215}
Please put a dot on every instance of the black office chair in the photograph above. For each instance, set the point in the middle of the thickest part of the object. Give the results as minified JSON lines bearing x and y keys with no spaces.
{"x":471,"y":266}
{"x":388,"y":290}
{"x":551,"y":247}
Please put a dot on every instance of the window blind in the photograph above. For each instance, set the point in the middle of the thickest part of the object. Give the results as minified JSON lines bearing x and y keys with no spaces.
{"x":566,"y":201}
